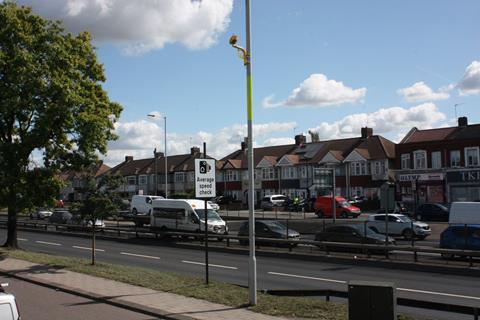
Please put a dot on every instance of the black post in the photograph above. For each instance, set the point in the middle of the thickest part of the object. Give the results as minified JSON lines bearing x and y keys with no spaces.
{"x":206,"y":224}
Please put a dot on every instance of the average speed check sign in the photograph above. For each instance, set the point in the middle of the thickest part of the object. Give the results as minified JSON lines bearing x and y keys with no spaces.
{"x":205,"y":178}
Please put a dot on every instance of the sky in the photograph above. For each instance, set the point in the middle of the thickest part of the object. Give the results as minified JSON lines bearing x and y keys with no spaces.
{"x":325,"y":66}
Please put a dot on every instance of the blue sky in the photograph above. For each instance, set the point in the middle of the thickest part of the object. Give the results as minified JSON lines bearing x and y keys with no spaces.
{"x":329,"y":66}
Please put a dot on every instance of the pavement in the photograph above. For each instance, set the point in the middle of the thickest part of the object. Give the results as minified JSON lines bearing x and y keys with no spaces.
{"x":159,"y":304}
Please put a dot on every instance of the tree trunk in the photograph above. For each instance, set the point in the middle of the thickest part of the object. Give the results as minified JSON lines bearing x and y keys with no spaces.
{"x":12,"y":223}
{"x":93,"y":244}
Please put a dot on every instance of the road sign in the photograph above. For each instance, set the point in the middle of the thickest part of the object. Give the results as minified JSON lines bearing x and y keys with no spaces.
{"x":205,"y":178}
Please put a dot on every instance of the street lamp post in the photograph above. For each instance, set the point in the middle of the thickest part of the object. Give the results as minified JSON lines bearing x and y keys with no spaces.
{"x":165,"y":155}
{"x":246,"y":57}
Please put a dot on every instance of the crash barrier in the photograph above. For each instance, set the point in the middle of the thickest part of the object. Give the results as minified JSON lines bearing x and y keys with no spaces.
{"x":414,"y":303}
{"x":309,"y":247}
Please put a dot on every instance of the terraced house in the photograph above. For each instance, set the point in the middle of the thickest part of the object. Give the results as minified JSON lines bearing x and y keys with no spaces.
{"x":147,"y":176}
{"x":439,"y":165}
{"x":305,"y":169}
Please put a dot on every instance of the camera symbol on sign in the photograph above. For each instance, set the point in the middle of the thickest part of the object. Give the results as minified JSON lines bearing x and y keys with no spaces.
{"x":204,"y":167}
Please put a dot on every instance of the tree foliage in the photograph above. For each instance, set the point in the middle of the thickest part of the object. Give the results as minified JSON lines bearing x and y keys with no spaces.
{"x":52,"y":106}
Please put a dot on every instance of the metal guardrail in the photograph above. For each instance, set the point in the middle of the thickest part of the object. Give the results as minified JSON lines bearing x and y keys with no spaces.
{"x":414,"y":303}
{"x":328,"y":247}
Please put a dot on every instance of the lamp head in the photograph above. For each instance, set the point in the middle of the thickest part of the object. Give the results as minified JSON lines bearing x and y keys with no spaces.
{"x":233,"y":40}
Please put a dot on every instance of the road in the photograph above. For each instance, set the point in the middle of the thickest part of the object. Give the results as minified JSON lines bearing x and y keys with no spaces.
{"x":41,"y":303}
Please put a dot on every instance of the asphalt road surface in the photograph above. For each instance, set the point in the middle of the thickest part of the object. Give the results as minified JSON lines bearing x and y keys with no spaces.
{"x":40,"y":303}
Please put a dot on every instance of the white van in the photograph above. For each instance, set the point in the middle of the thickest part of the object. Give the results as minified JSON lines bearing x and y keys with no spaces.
{"x":8,"y":305}
{"x":464,"y":213}
{"x":142,"y":204}
{"x":185,"y":215}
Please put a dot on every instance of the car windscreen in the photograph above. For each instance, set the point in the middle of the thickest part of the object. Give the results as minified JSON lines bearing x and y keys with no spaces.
{"x":211,"y":214}
{"x":281,"y":198}
{"x":344,"y":204}
{"x":404,"y":218}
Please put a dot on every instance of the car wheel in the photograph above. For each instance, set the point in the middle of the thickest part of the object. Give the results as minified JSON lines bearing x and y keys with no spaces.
{"x":407,"y":234}
{"x":320,"y":214}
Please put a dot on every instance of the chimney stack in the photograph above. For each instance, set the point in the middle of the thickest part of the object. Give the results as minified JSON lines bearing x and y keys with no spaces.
{"x":244,"y":144}
{"x":194,"y":150}
{"x":300,"y":139}
{"x":128,"y":158}
{"x":159,"y":155}
{"x":462,"y":121}
{"x":367,"y":132}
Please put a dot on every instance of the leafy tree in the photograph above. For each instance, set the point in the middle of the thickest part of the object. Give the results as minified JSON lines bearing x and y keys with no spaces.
{"x":100,"y":200}
{"x":52,"y":105}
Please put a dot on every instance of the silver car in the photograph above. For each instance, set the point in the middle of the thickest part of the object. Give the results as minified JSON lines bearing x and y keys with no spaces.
{"x":41,"y":213}
{"x":399,"y":225}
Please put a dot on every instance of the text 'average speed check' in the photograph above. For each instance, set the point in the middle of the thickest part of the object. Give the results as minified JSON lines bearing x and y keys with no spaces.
{"x":205,"y":178}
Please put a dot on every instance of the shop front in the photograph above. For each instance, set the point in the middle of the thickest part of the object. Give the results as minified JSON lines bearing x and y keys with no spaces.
{"x":463,"y":185}
{"x":420,"y":188}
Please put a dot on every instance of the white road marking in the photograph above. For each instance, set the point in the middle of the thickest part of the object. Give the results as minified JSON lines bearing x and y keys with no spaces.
{"x":21,"y":239}
{"x":439,"y":293}
{"x":210,"y":265}
{"x":85,"y":248}
{"x":399,"y":289}
{"x":49,"y":243}
{"x":139,"y":255}
{"x":306,"y":277}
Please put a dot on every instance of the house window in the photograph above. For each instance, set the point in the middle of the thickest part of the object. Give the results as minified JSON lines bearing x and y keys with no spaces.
{"x":288,"y":173}
{"x":455,"y":158}
{"x":268,"y":173}
{"x":379,"y":167}
{"x":131,"y":181}
{"x":179,"y":176}
{"x":471,"y":156}
{"x":436,"y":160}
{"x":358,"y":168}
{"x":142,"y":180}
{"x":232,"y":175}
{"x":302,"y":172}
{"x":420,"y":159}
{"x":406,"y":161}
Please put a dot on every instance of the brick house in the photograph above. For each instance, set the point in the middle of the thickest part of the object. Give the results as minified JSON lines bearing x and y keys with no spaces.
{"x":73,"y":190}
{"x":439,"y":165}
{"x":361,"y":165}
{"x":140,"y":174}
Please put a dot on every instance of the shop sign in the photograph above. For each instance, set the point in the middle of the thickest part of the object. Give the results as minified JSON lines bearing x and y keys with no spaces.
{"x":421,"y":177}
{"x":464,"y":176}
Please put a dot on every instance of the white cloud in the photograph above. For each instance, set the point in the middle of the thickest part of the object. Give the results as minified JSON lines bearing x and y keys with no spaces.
{"x":318,"y":91}
{"x":420,"y":92}
{"x":141,"y":26}
{"x":139,"y":138}
{"x":386,"y":121}
{"x":470,"y":83}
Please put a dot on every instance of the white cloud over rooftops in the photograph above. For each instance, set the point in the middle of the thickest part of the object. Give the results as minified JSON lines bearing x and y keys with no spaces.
{"x":318,"y":91}
{"x":470,"y":83}
{"x":420,"y":92}
{"x":141,"y":26}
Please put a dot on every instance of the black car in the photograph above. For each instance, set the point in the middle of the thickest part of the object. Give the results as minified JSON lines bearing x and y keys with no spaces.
{"x":352,"y":233}
{"x":268,"y":229}
{"x":223,"y":200}
{"x":432,"y":212}
{"x":60,"y":217}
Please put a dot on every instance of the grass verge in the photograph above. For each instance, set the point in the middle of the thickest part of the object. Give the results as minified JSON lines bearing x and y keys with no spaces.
{"x":223,"y":293}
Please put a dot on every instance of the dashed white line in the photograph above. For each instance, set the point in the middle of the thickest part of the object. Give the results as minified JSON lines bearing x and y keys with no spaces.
{"x":139,"y":255}
{"x":306,"y":277}
{"x":399,"y":289}
{"x":22,"y":239}
{"x":49,"y":243}
{"x":210,"y":265}
{"x":439,"y":293}
{"x":85,"y":248}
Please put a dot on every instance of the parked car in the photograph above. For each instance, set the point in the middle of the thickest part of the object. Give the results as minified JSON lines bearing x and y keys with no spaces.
{"x":352,"y":233}
{"x":78,"y":220}
{"x":399,"y":225}
{"x":268,"y":229}
{"x":8,"y":305}
{"x":324,"y":207}
{"x":356,"y":199}
{"x":142,"y":204}
{"x":399,"y":208}
{"x":464,"y":213}
{"x":60,"y":217}
{"x":459,"y":237}
{"x":432,"y":212}
{"x":272,"y":201}
{"x":223,"y":199}
{"x":41,"y":213}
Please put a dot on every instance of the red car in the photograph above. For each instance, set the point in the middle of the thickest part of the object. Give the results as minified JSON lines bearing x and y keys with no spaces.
{"x":344,"y":209}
